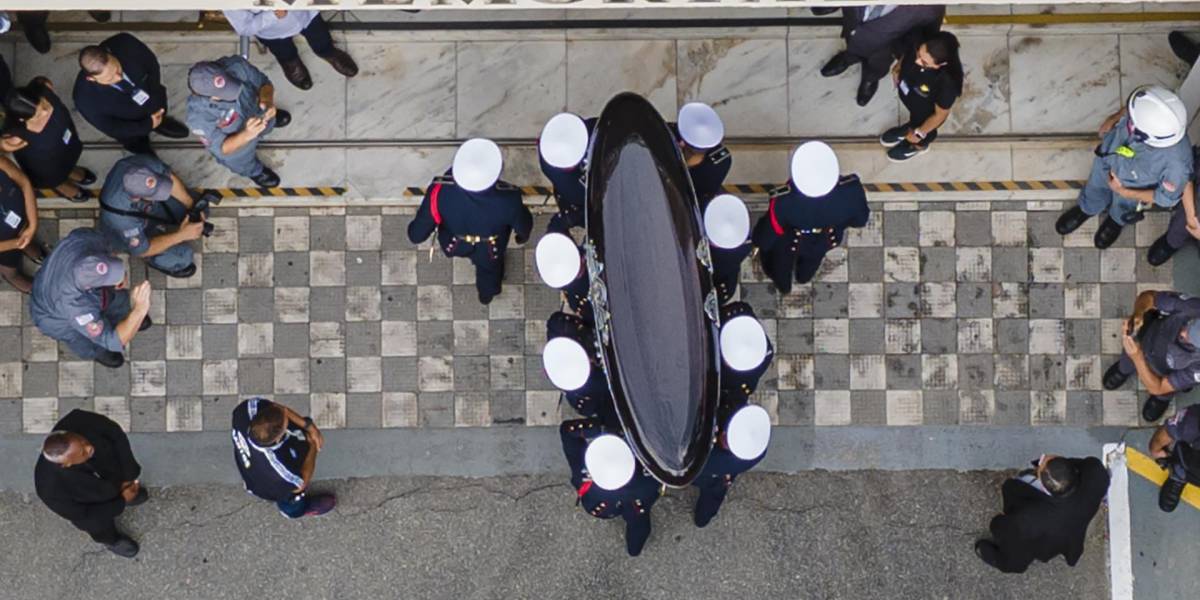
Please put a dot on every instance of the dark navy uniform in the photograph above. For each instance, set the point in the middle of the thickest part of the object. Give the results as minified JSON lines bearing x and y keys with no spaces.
{"x":269,"y":473}
{"x":1166,"y":353}
{"x":738,"y":386}
{"x":727,"y":268}
{"x":1184,"y":429}
{"x":709,"y":175}
{"x":122,"y":111}
{"x":714,"y":481}
{"x":570,"y":190}
{"x":49,"y":154}
{"x":474,"y":225}
{"x":798,"y":231}
{"x":632,"y":502}
{"x":594,"y":399}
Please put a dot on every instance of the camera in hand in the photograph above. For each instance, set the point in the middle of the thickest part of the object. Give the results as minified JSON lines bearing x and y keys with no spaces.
{"x":201,"y":206}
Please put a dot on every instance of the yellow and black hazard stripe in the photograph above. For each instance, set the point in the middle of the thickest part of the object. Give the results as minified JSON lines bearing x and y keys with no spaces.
{"x":253,"y":192}
{"x":924,"y":186}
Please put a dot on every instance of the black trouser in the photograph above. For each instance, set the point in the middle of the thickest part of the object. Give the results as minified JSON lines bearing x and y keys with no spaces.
{"x":875,"y":66}
{"x":317,"y":34}
{"x":919,"y":111}
{"x":138,"y":145}
{"x":102,"y":532}
{"x":712,"y":494}
{"x":637,"y":531}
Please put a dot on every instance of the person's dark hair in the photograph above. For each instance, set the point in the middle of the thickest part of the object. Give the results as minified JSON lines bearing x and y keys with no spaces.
{"x":21,"y":103}
{"x":267,"y":424}
{"x":943,"y":47}
{"x":1059,"y":476}
{"x":56,"y":445}
{"x":93,"y":59}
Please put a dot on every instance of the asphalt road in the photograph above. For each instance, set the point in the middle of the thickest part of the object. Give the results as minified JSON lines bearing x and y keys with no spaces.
{"x":866,"y":534}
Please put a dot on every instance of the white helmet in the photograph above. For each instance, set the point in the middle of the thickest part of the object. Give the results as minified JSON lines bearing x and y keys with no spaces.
{"x":1159,"y":115}
{"x":563,"y":141}
{"x":726,"y":221}
{"x":566,"y":363}
{"x":609,"y":462}
{"x":477,"y":164}
{"x":700,"y":126}
{"x":743,"y":343}
{"x":557,"y":259}
{"x":749,"y":432}
{"x":814,"y":169}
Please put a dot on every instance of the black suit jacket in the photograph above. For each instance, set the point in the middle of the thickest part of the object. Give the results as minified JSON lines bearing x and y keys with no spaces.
{"x":893,"y":32}
{"x":88,"y":492}
{"x":1038,"y":526}
{"x":109,"y":109}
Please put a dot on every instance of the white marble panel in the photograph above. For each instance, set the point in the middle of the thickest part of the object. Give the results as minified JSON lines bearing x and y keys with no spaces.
{"x":317,"y":113}
{"x":957,"y":162}
{"x":402,"y":90}
{"x":1147,"y":59}
{"x":983,"y":107}
{"x":304,"y":166}
{"x":744,"y":80}
{"x":384,"y":172}
{"x":1063,"y":83}
{"x":758,"y":165}
{"x":509,"y":89}
{"x":598,"y":70}
{"x":1053,"y":163}
{"x":823,"y":106}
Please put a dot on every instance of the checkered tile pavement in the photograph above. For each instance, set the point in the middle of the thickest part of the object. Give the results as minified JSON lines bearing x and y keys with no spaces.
{"x":968,"y":313}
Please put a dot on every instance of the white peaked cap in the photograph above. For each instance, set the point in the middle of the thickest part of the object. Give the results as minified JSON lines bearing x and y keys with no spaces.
{"x":609,"y":462}
{"x":477,"y":164}
{"x":749,"y":432}
{"x":815,"y":169}
{"x":700,"y":126}
{"x":564,"y":140}
{"x":566,"y":363}
{"x":557,"y":259}
{"x":743,"y":343}
{"x":726,"y":221}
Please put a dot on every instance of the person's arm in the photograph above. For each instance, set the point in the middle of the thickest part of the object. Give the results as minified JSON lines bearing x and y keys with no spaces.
{"x":1160,"y":443}
{"x":248,"y":23}
{"x":1156,"y":385}
{"x":11,"y":143}
{"x":1143,"y":304}
{"x":128,"y":327}
{"x":31,"y":217}
{"x":934,"y":121}
{"x":110,"y":125}
{"x":266,"y":96}
{"x":523,"y":220}
{"x":250,"y":130}
{"x":422,"y":225}
{"x":188,"y":230}
{"x":314,"y":434}
{"x":180,"y":192}
{"x":130,"y":469}
{"x":1112,"y":119}
{"x":1189,"y":209}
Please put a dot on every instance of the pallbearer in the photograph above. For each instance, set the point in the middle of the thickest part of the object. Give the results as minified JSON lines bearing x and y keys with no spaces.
{"x":561,"y":267}
{"x":746,"y":354}
{"x":708,"y":160}
{"x":561,"y":151}
{"x":741,"y":445}
{"x":727,"y":225}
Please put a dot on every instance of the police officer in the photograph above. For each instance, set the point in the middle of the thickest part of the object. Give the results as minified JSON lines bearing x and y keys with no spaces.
{"x":561,"y":151}
{"x":708,"y":160}
{"x":1184,"y":226}
{"x":740,"y":445}
{"x":473,"y":213}
{"x":232,"y":107}
{"x":1160,"y":342}
{"x":276,"y":453}
{"x":141,"y":204}
{"x":808,"y":218}
{"x":607,"y":479}
{"x":746,"y":353}
{"x":87,"y":474}
{"x":1177,"y":444}
{"x":561,"y":267}
{"x":727,"y":225}
{"x":119,"y":91}
{"x":1144,"y":159}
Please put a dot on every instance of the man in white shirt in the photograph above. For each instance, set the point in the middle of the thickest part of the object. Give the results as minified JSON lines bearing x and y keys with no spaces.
{"x":276,"y":28}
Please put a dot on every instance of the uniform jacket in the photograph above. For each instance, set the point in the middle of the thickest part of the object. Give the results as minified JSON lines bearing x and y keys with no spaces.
{"x":497,"y":211}
{"x":214,"y":120}
{"x":128,"y":233}
{"x":795,"y":222}
{"x":723,"y":468}
{"x":88,"y":492}
{"x":1167,"y":354}
{"x":1165,"y":170}
{"x":570,"y":189}
{"x":113,"y":111}
{"x":59,"y":307}
{"x":1039,"y":526}
{"x":270,"y":473}
{"x":594,"y":399}
{"x":708,"y":176}
{"x":894,"y":32}
{"x":631,"y":502}
{"x":738,"y":386}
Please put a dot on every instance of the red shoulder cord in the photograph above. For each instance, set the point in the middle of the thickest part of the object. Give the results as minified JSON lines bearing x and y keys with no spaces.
{"x":433,"y":203}
{"x":774,"y":221}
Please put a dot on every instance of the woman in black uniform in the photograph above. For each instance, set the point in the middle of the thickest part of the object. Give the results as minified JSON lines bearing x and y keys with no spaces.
{"x":18,"y":224}
{"x":929,"y":78}
{"x":38,"y":130}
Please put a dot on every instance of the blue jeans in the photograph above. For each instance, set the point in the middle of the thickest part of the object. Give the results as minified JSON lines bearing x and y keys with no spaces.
{"x":294,"y":507}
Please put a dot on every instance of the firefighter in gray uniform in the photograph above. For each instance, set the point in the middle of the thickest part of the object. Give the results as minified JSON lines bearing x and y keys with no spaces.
{"x":80,"y":298}
{"x":144,"y":211}
{"x":231,"y":108}
{"x":1162,"y":346}
{"x":1144,"y":159}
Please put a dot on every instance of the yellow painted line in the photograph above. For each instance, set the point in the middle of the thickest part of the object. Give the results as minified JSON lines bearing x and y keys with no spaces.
{"x":1146,"y":467}
{"x":1068,"y":18}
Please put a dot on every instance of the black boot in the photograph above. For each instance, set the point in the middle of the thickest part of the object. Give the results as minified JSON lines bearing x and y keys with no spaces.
{"x":1160,"y":252}
{"x":1114,"y":378}
{"x":267,"y":178}
{"x":124,"y":547}
{"x":146,"y":323}
{"x":1108,"y":233}
{"x":110,"y":359}
{"x":1070,"y":220}
{"x":1187,"y":50}
{"x":1169,"y":494}
{"x":1154,"y":408}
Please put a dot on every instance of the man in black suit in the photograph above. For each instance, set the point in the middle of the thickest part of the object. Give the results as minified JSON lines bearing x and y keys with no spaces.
{"x":1046,"y":513}
{"x":119,"y":91}
{"x":875,"y":35}
{"x":87,"y":475}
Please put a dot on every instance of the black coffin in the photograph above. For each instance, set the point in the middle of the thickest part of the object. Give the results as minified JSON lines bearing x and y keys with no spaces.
{"x":652,"y":289}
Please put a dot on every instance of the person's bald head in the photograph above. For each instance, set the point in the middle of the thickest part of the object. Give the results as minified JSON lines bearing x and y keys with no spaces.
{"x":67,"y":449}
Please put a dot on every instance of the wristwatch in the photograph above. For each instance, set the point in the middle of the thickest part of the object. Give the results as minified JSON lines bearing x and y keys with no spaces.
{"x":917,"y":132}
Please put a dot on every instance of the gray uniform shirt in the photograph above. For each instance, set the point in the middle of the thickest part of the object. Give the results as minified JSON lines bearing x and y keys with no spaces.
{"x":1166,"y":353}
{"x":59,"y":307}
{"x":214,"y":120}
{"x":126,"y":232}
{"x":1164,"y":169}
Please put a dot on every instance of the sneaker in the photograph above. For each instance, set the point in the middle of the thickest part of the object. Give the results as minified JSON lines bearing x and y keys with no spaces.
{"x":124,"y":547}
{"x":319,"y":505}
{"x":893,"y":136}
{"x":904,"y":151}
{"x":1169,"y":494}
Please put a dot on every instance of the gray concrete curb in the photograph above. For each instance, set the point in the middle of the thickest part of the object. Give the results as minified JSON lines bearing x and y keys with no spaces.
{"x":207,"y":457}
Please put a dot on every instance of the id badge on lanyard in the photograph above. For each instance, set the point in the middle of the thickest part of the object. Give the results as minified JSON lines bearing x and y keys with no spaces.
{"x":11,"y":218}
{"x":903,"y":87}
{"x":140,"y":97}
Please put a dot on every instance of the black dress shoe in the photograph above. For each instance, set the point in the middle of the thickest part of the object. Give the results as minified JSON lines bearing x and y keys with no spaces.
{"x":1169,"y":494}
{"x":1114,"y":378}
{"x":267,"y":178}
{"x":1160,"y":252}
{"x":296,"y":73}
{"x":112,"y":360}
{"x":124,"y":547}
{"x":1108,"y":233}
{"x":89,"y":177}
{"x":38,"y":36}
{"x":485,"y":300}
{"x":183,"y":273}
{"x":1070,"y":220}
{"x":100,"y":16}
{"x":342,"y":63}
{"x":838,"y":64}
{"x":866,"y":91}
{"x":172,"y":128}
{"x":1154,"y":408}
{"x":282,"y":118}
{"x":821,"y":11}
{"x":1187,"y":50}
{"x":987,"y":551}
{"x":147,"y":323}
